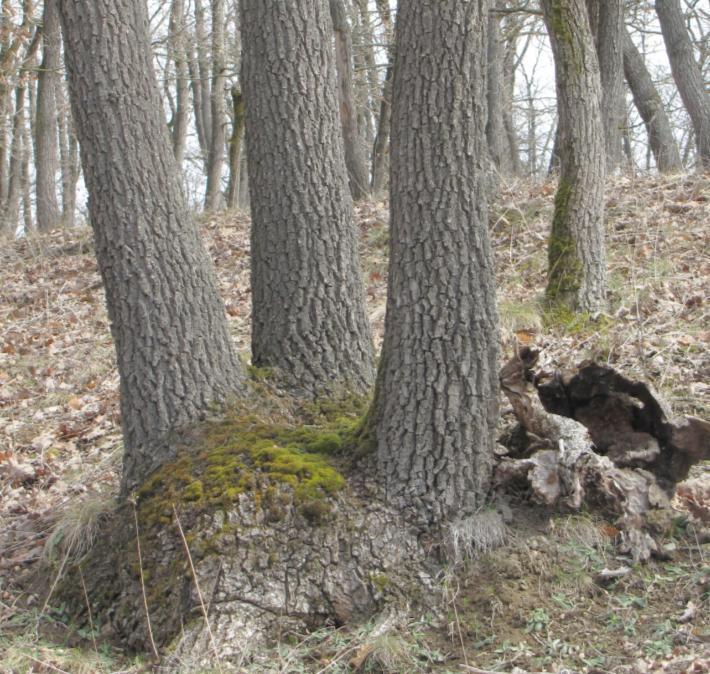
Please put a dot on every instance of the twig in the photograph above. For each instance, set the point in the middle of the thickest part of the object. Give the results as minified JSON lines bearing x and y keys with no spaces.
{"x":140,"y":568}
{"x":88,"y":608}
{"x":197,"y":587}
{"x":46,"y":664}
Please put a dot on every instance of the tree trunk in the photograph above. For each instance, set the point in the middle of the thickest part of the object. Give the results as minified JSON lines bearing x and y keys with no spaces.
{"x":235,"y":148}
{"x":509,"y":99}
{"x":382,"y":138}
{"x":182,"y":79}
{"x":608,"y":28}
{"x":436,"y":400}
{"x":354,"y":153}
{"x":650,"y":107}
{"x":14,"y":188}
{"x":215,"y":159}
{"x":308,"y":309}
{"x":495,"y":128}
{"x":577,"y":260}
{"x":175,"y":357}
{"x":687,"y":75}
{"x":203,"y":72}
{"x":46,"y":162}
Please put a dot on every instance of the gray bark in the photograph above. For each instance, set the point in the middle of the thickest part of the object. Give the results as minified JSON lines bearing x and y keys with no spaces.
{"x":174,"y":354}
{"x":687,"y":75}
{"x":69,"y":159}
{"x":308,"y":310}
{"x":577,"y":258}
{"x":178,"y":49}
{"x":355,"y":161}
{"x":14,"y":187}
{"x":380,"y":149}
{"x":508,"y":101}
{"x":203,"y":73}
{"x":235,"y":148}
{"x":436,"y":399}
{"x":46,"y":160}
{"x":215,"y":158}
{"x":650,"y":106}
{"x":495,"y":127}
{"x":608,"y":28}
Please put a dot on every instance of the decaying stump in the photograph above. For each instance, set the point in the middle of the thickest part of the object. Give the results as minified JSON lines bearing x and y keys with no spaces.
{"x":601,"y":440}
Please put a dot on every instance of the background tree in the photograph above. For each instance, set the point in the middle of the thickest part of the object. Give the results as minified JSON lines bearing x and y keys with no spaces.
{"x":308,"y":309}
{"x":650,"y":106}
{"x":174,"y":353}
{"x":46,"y":161}
{"x":495,"y":127}
{"x":607,"y":22}
{"x":577,"y":260}
{"x":215,"y":155}
{"x":355,"y":161}
{"x":686,"y":74}
{"x":436,"y":401}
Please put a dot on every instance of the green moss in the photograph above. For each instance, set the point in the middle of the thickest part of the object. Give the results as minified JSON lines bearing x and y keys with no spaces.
{"x":194,"y":491}
{"x":270,"y":461}
{"x":260,"y":374}
{"x":380,"y":581}
{"x":564,"y":277}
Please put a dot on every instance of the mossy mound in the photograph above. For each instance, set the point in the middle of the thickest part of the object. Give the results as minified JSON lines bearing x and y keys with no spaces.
{"x":244,"y":453}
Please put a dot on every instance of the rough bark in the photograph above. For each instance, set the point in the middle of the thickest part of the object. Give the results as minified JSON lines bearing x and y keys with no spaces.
{"x":687,"y":75}
{"x":178,"y":40}
{"x":46,"y":161}
{"x":175,"y":358}
{"x":608,"y":29}
{"x":215,"y":158}
{"x":577,"y":259}
{"x":355,"y":161}
{"x":436,"y":400}
{"x":650,"y":106}
{"x":235,"y":148}
{"x":380,"y":154}
{"x":308,"y":310}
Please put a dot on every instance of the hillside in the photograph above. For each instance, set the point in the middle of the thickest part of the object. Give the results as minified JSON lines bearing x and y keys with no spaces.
{"x":534,"y":604}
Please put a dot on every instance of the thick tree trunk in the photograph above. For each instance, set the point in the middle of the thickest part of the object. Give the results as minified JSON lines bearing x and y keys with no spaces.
{"x":436,"y":400}
{"x":607,"y":22}
{"x":46,"y":161}
{"x":355,"y":161}
{"x":182,"y":79}
{"x":175,"y":357}
{"x":215,"y":159}
{"x":650,"y":107}
{"x":687,"y":75}
{"x":495,"y":128}
{"x":308,"y":310}
{"x":380,"y":149}
{"x":235,"y":148}
{"x":577,"y":259}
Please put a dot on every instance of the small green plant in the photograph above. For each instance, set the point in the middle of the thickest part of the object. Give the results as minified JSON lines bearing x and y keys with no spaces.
{"x":538,"y":621}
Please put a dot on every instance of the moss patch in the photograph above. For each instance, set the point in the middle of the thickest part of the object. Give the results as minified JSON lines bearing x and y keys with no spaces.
{"x":244,"y":453}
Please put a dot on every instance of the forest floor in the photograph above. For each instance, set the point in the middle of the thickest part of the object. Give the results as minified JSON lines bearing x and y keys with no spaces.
{"x":533,"y":604}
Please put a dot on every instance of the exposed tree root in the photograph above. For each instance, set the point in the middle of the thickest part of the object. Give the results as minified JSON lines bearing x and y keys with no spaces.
{"x":601,"y":440}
